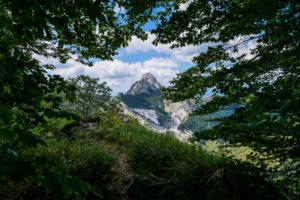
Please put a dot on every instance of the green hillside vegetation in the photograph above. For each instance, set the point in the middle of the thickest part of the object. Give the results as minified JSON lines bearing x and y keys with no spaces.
{"x":197,"y":123}
{"x":122,"y":160}
{"x":143,"y":101}
{"x":158,"y":101}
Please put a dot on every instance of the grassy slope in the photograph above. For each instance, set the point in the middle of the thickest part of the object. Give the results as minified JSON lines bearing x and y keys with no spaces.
{"x":127,"y":161}
{"x":184,"y":171}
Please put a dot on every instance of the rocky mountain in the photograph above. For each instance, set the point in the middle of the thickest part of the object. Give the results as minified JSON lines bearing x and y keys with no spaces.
{"x":145,"y":102}
{"x":148,"y":85}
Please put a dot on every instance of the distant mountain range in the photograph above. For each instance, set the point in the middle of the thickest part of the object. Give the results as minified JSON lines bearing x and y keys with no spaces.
{"x":144,"y":101}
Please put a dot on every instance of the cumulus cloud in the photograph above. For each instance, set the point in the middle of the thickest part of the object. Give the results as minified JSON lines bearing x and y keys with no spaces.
{"x":137,"y":45}
{"x":120,"y":75}
{"x":180,"y":54}
{"x":159,"y":62}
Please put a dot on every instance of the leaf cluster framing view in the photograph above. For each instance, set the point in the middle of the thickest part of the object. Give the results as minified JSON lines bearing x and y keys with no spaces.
{"x":252,"y":61}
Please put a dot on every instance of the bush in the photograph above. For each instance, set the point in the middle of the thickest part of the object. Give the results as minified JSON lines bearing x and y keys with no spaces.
{"x":66,"y":170}
{"x":52,"y":127}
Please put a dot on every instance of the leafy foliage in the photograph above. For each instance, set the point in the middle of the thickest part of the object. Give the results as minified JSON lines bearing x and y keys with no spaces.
{"x":69,"y":172}
{"x":30,"y":30}
{"x":91,"y":97}
{"x":252,"y":60}
{"x":266,"y":82}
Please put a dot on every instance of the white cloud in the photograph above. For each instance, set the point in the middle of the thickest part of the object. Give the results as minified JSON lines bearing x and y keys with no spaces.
{"x":120,"y":75}
{"x":137,"y":45}
{"x":159,"y":62}
{"x":181,"y":54}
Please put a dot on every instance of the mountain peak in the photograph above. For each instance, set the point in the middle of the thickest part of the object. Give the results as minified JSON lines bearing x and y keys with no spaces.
{"x":147,"y":85}
{"x":148,"y":76}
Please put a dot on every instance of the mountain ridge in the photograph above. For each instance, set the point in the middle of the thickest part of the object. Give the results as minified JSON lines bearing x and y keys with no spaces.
{"x":145,"y":102}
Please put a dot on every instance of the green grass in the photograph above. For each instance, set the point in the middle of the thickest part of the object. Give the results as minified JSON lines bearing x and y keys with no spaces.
{"x":161,"y":154}
{"x":73,"y":154}
{"x":184,"y":171}
{"x":124,"y":159}
{"x":51,"y":126}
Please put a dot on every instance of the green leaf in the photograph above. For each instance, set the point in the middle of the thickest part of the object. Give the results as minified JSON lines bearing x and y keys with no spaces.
{"x":29,"y":139}
{"x":7,"y":135}
{"x":6,"y":115}
{"x":66,"y":187}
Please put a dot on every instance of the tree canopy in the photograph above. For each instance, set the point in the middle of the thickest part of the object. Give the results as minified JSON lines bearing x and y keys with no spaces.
{"x":253,"y":59}
{"x":63,"y":30}
{"x":91,"y":96}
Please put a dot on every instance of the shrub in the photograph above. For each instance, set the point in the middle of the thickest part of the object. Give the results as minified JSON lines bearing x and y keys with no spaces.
{"x":67,"y":170}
